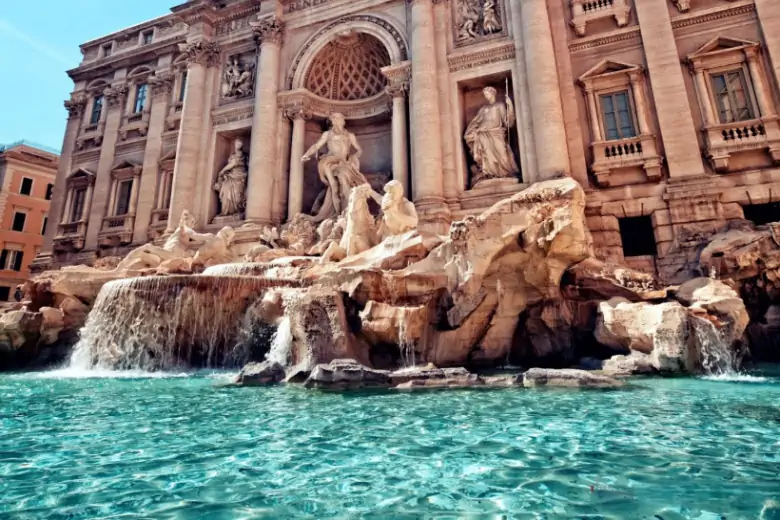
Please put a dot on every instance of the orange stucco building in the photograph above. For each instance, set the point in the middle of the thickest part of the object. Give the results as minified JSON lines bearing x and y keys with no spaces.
{"x":27,"y":175}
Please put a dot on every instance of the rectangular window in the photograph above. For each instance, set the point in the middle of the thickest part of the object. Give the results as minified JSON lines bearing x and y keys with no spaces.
{"x":146,"y":37}
{"x":731,"y":96}
{"x":49,"y":191}
{"x":5,"y":293}
{"x":637,"y":236}
{"x":97,"y":109}
{"x":124,"y":191}
{"x":26,"y":187}
{"x":11,"y":259}
{"x":45,"y":223}
{"x":140,"y":98}
{"x":183,"y":87}
{"x":107,"y":50}
{"x":618,"y":120}
{"x":79,"y":198}
{"x":19,"y":220}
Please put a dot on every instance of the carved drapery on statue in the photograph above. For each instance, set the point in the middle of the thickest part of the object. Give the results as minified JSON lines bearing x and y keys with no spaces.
{"x":488,"y":139}
{"x":231,"y":182}
{"x":339,"y":169}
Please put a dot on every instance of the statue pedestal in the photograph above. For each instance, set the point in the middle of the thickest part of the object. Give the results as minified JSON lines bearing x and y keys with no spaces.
{"x":487,"y":192}
{"x":227,"y":220}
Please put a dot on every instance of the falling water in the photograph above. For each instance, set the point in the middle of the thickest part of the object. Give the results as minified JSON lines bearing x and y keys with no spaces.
{"x":169,"y":323}
{"x":716,"y":355}
{"x":282,"y":344}
{"x":406,"y":346}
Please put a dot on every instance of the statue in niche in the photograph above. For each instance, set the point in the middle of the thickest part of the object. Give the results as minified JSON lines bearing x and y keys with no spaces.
{"x":468,"y":16}
{"x":339,"y":169}
{"x":489,"y":18}
{"x":398,"y":214}
{"x":231,"y":182}
{"x":239,"y":79}
{"x":487,"y":138}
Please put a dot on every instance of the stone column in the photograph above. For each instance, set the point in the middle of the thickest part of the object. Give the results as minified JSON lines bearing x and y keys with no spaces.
{"x":161,"y":86}
{"x":769,"y":18}
{"x":65,"y":216}
{"x":200,"y":55}
{"x":704,"y":98}
{"x":295,"y":192}
{"x":751,"y":54}
{"x":524,"y":120}
{"x":427,"y":178}
{"x":397,"y":93}
{"x":115,"y":97}
{"x":453,"y":185}
{"x":548,"y":126}
{"x":671,"y":97}
{"x":76,"y":107}
{"x":263,"y":147}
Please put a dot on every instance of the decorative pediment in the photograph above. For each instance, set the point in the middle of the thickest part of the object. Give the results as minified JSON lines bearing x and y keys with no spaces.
{"x":81,"y":177}
{"x":607,"y":67}
{"x":168,"y":160}
{"x":126,"y":168}
{"x":720,"y":44}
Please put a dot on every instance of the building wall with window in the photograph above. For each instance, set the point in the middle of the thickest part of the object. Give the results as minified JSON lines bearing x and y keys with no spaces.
{"x":666,"y":111}
{"x":28,"y":173}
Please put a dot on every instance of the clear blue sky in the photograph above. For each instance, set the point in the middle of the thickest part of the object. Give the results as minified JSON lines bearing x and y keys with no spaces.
{"x":39,"y":41}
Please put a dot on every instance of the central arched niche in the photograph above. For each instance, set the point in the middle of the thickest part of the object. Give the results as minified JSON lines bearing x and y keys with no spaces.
{"x":348,"y":69}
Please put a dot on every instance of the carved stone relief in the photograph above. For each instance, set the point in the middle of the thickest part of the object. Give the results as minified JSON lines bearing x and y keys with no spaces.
{"x":476,"y":20}
{"x":238,"y":79}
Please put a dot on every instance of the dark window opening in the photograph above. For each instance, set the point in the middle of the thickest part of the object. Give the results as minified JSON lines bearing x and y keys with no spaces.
{"x":140,"y":98}
{"x":97,"y":110}
{"x":49,"y":191}
{"x":637,"y":236}
{"x":45,"y":223}
{"x":123,"y":198}
{"x":26,"y":187}
{"x":760,"y":214}
{"x":19,"y":220}
{"x":147,"y":37}
{"x":5,"y":293}
{"x":183,"y":86}
{"x":17,"y":261}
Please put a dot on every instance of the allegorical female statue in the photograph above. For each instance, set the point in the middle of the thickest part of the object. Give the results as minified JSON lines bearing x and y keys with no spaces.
{"x":339,"y":170}
{"x":486,"y":136}
{"x":231,"y":182}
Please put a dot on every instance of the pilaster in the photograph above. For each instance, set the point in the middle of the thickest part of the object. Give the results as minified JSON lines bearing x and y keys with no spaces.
{"x":115,"y":97}
{"x":671,"y":96}
{"x":769,"y":18}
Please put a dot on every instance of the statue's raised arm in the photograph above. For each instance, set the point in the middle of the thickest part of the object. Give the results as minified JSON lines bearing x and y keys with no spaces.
{"x":316,"y":147}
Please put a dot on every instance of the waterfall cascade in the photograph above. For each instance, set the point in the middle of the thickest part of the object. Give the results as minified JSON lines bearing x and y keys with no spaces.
{"x":164,"y":323}
{"x":281,"y":344}
{"x":716,"y":355}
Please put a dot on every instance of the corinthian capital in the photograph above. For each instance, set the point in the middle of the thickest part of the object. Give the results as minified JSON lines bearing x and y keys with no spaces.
{"x":75,"y":105}
{"x":268,"y":30}
{"x":202,"y":52}
{"x":161,"y":83}
{"x":115,"y":95}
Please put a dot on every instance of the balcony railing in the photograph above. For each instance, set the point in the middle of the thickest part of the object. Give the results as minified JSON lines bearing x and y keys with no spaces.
{"x":584,"y":11}
{"x":726,"y":139}
{"x":633,"y":152}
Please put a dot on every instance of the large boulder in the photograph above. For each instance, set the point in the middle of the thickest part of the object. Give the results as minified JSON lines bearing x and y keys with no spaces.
{"x":52,"y":323}
{"x":342,"y":374}
{"x":261,"y":374}
{"x":719,"y":302}
{"x":567,"y":378}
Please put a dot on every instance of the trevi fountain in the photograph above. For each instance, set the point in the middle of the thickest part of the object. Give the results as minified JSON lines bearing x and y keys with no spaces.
{"x":356,"y":361}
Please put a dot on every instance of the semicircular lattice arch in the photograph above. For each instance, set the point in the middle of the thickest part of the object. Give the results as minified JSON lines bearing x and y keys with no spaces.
{"x":348,"y":68}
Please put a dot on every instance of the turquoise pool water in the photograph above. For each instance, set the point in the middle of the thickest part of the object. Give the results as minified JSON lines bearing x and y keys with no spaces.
{"x":188,"y":447}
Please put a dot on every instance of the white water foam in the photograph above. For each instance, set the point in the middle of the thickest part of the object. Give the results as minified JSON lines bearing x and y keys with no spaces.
{"x":736,"y":378}
{"x":71,"y":372}
{"x":281,"y":344}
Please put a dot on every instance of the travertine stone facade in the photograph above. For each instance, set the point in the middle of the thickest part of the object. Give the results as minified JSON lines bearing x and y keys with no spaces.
{"x":666,"y":111}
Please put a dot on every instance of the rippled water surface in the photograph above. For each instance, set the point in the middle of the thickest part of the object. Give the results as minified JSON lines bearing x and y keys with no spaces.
{"x":189,"y":447}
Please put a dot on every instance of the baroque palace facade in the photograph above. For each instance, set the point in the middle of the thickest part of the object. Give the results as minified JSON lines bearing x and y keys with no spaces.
{"x":666,"y":111}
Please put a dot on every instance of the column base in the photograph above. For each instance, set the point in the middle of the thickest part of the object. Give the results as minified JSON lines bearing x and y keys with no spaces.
{"x":434,"y":215}
{"x":258,"y":222}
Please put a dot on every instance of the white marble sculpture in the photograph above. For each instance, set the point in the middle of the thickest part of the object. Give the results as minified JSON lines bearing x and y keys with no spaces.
{"x":487,"y":138}
{"x":231,"y":182}
{"x":339,"y":169}
{"x":489,"y":18}
{"x":398,"y":214}
{"x":216,"y":250}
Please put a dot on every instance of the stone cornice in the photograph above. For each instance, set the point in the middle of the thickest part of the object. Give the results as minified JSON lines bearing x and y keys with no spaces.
{"x":475,"y":58}
{"x":302,"y":99}
{"x":713,"y":14}
{"x":621,"y":35}
{"x":128,"y":31}
{"x":95,"y":69}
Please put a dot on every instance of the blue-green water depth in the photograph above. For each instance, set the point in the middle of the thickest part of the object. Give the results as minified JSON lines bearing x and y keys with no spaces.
{"x":189,"y":447}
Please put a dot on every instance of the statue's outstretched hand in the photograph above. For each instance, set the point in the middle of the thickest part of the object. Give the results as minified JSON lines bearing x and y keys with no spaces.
{"x":305,"y":158}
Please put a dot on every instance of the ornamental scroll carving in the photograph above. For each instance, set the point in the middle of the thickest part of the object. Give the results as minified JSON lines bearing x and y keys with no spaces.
{"x":476,"y":20}
{"x":115,"y":95}
{"x":202,"y":52}
{"x":161,"y":83}
{"x":76,"y":104}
